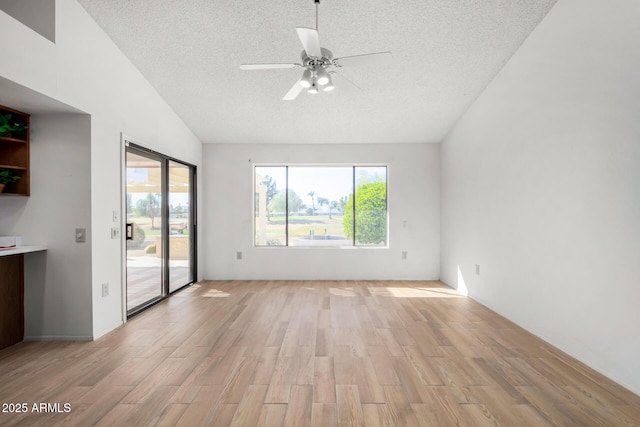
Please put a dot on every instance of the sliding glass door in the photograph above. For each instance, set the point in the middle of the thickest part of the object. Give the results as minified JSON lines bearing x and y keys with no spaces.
{"x":160,"y":209}
{"x":144,"y":199}
{"x":180,"y":226}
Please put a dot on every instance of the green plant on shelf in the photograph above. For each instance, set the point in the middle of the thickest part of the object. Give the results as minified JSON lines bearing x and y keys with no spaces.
{"x":7,"y":176}
{"x":12,"y":128}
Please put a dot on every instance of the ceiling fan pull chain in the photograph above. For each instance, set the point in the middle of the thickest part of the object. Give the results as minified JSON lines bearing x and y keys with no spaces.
{"x":317,"y":3}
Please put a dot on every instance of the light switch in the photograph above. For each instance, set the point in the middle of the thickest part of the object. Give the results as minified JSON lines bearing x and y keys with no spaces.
{"x":81,"y":235}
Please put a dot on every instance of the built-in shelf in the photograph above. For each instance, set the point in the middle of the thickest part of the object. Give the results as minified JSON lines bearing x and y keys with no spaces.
{"x":20,"y":168}
{"x":7,"y":139}
{"x":14,"y":150}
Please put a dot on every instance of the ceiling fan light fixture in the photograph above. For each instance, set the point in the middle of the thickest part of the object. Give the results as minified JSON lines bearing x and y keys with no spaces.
{"x":329,"y":86}
{"x":306,"y":81}
{"x":313,"y":89}
{"x":322,"y":76}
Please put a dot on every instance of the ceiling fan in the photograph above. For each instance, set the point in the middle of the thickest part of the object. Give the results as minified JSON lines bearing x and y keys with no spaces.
{"x":318,"y":63}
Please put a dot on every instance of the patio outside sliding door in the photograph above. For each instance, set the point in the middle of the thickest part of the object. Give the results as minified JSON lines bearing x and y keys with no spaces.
{"x":160,"y":207}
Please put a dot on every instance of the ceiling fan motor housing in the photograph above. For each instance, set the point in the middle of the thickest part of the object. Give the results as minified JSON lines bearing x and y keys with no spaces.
{"x":325,"y":60}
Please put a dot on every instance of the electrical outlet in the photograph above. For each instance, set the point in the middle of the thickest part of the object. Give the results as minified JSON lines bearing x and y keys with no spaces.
{"x":238,"y":255}
{"x":404,"y":254}
{"x":105,"y":289}
{"x":478,"y":269}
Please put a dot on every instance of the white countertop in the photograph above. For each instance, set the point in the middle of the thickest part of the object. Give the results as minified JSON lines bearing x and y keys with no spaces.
{"x":22,"y":250}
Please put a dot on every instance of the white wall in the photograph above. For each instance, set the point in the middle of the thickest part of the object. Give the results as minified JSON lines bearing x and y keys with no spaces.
{"x":413,"y":196}
{"x":540,"y":187}
{"x":58,"y":282}
{"x":85,"y":70}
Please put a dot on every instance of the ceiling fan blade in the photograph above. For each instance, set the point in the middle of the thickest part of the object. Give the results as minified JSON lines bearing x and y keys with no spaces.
{"x":267,"y":66}
{"x":310,"y":41}
{"x":342,"y":77}
{"x":293,"y":92}
{"x":365,"y":58}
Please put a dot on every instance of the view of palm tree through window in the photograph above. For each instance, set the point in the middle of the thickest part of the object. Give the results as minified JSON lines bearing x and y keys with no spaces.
{"x":314,"y":206}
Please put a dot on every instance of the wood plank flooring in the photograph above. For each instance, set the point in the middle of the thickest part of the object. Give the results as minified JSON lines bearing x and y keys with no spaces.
{"x":310,"y":353}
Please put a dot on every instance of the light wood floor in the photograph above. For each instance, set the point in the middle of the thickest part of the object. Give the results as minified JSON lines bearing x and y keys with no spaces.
{"x":312,"y":353}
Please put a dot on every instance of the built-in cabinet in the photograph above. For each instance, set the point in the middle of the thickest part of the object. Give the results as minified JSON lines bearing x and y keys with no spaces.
{"x":12,"y":299}
{"x":12,"y":276}
{"x":14,"y":152}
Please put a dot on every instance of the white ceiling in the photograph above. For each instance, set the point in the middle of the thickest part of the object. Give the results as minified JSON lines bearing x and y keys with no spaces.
{"x":445,"y":52}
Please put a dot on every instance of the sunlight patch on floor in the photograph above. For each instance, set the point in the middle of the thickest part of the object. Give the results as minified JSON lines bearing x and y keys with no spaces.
{"x":415,"y":292}
{"x":214,"y":293}
{"x":342,"y":292}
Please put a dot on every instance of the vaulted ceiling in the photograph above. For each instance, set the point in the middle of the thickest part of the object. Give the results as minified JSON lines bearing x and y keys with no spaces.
{"x":445,"y":52}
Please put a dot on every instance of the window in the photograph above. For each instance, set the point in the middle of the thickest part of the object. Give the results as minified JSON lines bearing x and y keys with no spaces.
{"x":320,"y":206}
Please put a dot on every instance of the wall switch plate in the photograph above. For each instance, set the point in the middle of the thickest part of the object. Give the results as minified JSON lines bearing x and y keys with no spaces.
{"x":105,"y":289}
{"x":404,"y":254}
{"x":81,"y":235}
{"x":115,"y":216}
{"x":238,"y":255}
{"x":478,"y":269}
{"x":115,"y":232}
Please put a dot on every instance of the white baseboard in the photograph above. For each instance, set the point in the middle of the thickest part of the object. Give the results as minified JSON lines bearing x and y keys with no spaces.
{"x":108,"y":329}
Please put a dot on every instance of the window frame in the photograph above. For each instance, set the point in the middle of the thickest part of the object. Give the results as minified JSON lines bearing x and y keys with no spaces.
{"x":353,"y":167}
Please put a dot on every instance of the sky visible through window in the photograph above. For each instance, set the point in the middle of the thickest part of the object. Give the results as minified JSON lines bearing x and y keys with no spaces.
{"x":329,"y":182}
{"x":319,"y":205}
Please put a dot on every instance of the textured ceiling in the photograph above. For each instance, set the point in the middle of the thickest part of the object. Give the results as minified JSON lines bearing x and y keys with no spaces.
{"x":445,"y":52}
